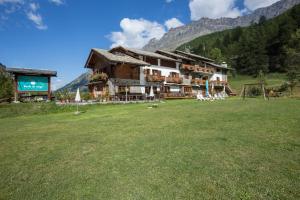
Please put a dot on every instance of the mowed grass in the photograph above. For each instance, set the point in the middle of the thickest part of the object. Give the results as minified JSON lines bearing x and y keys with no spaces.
{"x":185,"y":149}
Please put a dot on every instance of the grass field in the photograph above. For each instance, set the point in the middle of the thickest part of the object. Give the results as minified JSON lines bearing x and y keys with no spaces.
{"x":181,"y":150}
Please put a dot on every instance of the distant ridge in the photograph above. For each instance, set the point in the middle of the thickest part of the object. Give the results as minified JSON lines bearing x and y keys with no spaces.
{"x":80,"y":82}
{"x":178,"y":36}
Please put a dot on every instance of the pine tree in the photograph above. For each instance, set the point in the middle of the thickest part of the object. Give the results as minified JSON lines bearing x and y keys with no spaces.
{"x":216,"y":54}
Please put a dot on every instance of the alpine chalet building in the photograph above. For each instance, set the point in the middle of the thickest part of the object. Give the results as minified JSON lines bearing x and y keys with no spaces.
{"x":131,"y":74}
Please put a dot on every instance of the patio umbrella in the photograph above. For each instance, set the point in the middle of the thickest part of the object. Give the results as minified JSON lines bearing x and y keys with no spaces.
{"x":77,"y":99}
{"x":207,"y":88}
{"x":151,"y":92}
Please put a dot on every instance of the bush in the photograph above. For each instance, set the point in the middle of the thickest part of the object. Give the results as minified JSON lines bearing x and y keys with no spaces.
{"x":86,"y":96}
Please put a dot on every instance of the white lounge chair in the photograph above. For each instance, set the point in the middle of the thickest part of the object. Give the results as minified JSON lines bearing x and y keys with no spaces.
{"x":200,"y":97}
{"x":216,"y":97}
{"x":221,"y":96}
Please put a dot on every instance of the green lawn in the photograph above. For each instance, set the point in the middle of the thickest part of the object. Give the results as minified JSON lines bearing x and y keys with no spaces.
{"x":185,"y":149}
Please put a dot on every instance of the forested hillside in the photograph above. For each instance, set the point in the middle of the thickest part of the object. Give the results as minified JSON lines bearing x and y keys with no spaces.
{"x":270,"y":45}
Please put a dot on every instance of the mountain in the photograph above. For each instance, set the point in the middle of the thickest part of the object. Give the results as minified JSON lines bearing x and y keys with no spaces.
{"x":80,"y":82}
{"x":178,"y":36}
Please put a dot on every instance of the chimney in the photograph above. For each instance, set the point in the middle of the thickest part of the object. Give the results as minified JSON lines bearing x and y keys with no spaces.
{"x":224,"y":64}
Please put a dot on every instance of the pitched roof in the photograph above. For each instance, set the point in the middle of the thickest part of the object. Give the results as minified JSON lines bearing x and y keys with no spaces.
{"x":174,"y":55}
{"x":216,"y":65}
{"x":28,"y":71}
{"x":194,"y":56}
{"x":145,"y":53}
{"x":119,"y":58}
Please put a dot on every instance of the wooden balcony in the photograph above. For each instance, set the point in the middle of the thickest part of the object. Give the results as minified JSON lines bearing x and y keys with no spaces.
{"x":155,"y":78}
{"x":199,"y":69}
{"x":188,"y":67}
{"x":198,"y":82}
{"x":177,"y":80}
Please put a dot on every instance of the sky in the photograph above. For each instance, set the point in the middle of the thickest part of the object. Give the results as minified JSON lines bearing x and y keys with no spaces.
{"x":58,"y":34}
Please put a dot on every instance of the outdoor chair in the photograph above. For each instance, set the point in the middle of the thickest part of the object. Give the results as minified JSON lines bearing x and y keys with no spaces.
{"x":200,"y":97}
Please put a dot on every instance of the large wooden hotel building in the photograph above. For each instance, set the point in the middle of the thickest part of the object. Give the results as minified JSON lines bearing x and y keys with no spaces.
{"x":138,"y":73}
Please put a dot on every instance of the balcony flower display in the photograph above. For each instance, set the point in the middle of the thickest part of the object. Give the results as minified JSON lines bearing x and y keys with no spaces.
{"x":99,"y":77}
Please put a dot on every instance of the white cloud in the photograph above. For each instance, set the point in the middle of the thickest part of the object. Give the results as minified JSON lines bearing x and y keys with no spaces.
{"x":10,"y":1}
{"x":254,"y":4}
{"x":136,"y":33}
{"x":213,"y":9}
{"x":57,"y":2}
{"x":34,"y":6}
{"x":29,"y":7}
{"x":173,"y":23}
{"x":35,"y":17}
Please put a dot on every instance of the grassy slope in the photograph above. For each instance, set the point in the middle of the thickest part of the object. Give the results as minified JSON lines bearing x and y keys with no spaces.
{"x":182,"y":150}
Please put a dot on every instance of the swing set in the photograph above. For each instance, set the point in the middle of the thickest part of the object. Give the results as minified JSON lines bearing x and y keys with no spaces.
{"x":248,"y":86}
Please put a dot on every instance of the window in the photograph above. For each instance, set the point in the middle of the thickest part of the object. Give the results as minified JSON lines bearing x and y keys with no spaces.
{"x":147,"y":71}
{"x":156,"y":72}
{"x":174,"y":75}
{"x":187,"y":90}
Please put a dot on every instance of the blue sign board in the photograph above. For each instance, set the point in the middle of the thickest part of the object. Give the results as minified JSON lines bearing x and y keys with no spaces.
{"x":32,"y":83}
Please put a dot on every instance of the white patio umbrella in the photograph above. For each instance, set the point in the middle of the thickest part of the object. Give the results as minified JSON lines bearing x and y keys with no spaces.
{"x":151,"y":92}
{"x":77,"y":99}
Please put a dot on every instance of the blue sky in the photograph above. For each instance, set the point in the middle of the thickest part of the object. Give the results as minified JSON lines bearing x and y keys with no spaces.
{"x":58,"y":34}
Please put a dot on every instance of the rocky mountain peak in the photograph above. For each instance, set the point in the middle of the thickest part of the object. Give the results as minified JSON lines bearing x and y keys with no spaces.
{"x":180,"y":35}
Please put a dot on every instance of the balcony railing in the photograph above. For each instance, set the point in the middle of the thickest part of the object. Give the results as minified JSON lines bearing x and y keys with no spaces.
{"x":177,"y":80}
{"x":203,"y":70}
{"x":188,"y":67}
{"x":197,"y":69}
{"x":198,"y":82}
{"x":155,"y":78}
